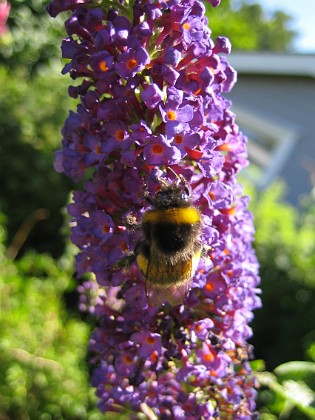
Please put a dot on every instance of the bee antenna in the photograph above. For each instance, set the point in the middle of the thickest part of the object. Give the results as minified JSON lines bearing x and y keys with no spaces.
{"x":174,"y":173}
{"x":181,"y":179}
{"x":162,"y":181}
{"x":185,"y":183}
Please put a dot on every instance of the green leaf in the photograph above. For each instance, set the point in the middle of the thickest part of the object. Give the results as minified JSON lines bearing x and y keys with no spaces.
{"x":258,"y":365}
{"x":297,"y":370}
{"x":301,"y":396}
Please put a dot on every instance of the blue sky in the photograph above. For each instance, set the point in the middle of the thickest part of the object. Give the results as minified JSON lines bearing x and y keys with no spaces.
{"x":303,"y":13}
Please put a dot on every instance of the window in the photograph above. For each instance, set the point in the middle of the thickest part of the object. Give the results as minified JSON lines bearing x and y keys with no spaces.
{"x":269,"y":145}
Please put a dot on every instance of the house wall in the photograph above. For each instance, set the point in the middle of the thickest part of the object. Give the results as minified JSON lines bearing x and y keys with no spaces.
{"x":289,"y":103}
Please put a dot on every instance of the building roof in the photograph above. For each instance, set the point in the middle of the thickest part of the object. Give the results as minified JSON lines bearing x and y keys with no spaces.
{"x":270,"y":63}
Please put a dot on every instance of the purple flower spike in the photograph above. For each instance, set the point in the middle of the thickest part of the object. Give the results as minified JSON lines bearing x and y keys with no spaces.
{"x":151,"y":112}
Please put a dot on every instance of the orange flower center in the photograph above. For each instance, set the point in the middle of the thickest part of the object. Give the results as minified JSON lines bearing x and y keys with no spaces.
{"x":208,"y":357}
{"x":178,"y":139}
{"x":150,"y":340}
{"x":209,"y":287}
{"x":106,"y":228}
{"x":157,"y":149}
{"x":103,"y":66}
{"x":186,"y":26}
{"x":171,"y":115}
{"x":128,"y":360}
{"x":132,"y":63}
{"x":119,"y":135}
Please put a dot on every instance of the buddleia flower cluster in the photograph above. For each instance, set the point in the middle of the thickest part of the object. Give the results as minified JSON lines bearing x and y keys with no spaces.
{"x":150,"y":84}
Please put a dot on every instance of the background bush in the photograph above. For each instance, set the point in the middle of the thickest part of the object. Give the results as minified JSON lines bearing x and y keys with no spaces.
{"x":43,"y":347}
{"x":284,"y":328}
{"x":285,"y":245}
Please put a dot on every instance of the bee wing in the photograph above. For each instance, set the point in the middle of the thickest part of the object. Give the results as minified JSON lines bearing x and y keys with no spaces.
{"x":174,"y":294}
{"x":166,"y":282}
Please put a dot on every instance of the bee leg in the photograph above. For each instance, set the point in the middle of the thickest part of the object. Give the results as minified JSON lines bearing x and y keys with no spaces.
{"x":125,"y":262}
{"x":205,"y":250}
{"x":130,"y":257}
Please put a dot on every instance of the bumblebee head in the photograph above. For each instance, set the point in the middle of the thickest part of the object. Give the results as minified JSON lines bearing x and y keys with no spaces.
{"x":172,"y":196}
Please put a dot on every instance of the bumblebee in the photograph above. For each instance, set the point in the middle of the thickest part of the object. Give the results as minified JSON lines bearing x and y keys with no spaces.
{"x":169,"y":252}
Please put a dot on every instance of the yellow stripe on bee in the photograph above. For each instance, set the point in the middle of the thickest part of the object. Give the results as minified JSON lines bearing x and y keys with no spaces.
{"x":188,"y":215}
{"x":142,"y":262}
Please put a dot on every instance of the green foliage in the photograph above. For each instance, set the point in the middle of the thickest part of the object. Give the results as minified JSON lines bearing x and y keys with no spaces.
{"x":249,"y":28}
{"x":288,"y":392}
{"x":284,"y":328}
{"x":43,"y":348}
{"x":30,"y":124}
{"x":34,"y":37}
{"x":285,"y":246}
{"x":33,"y":107}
